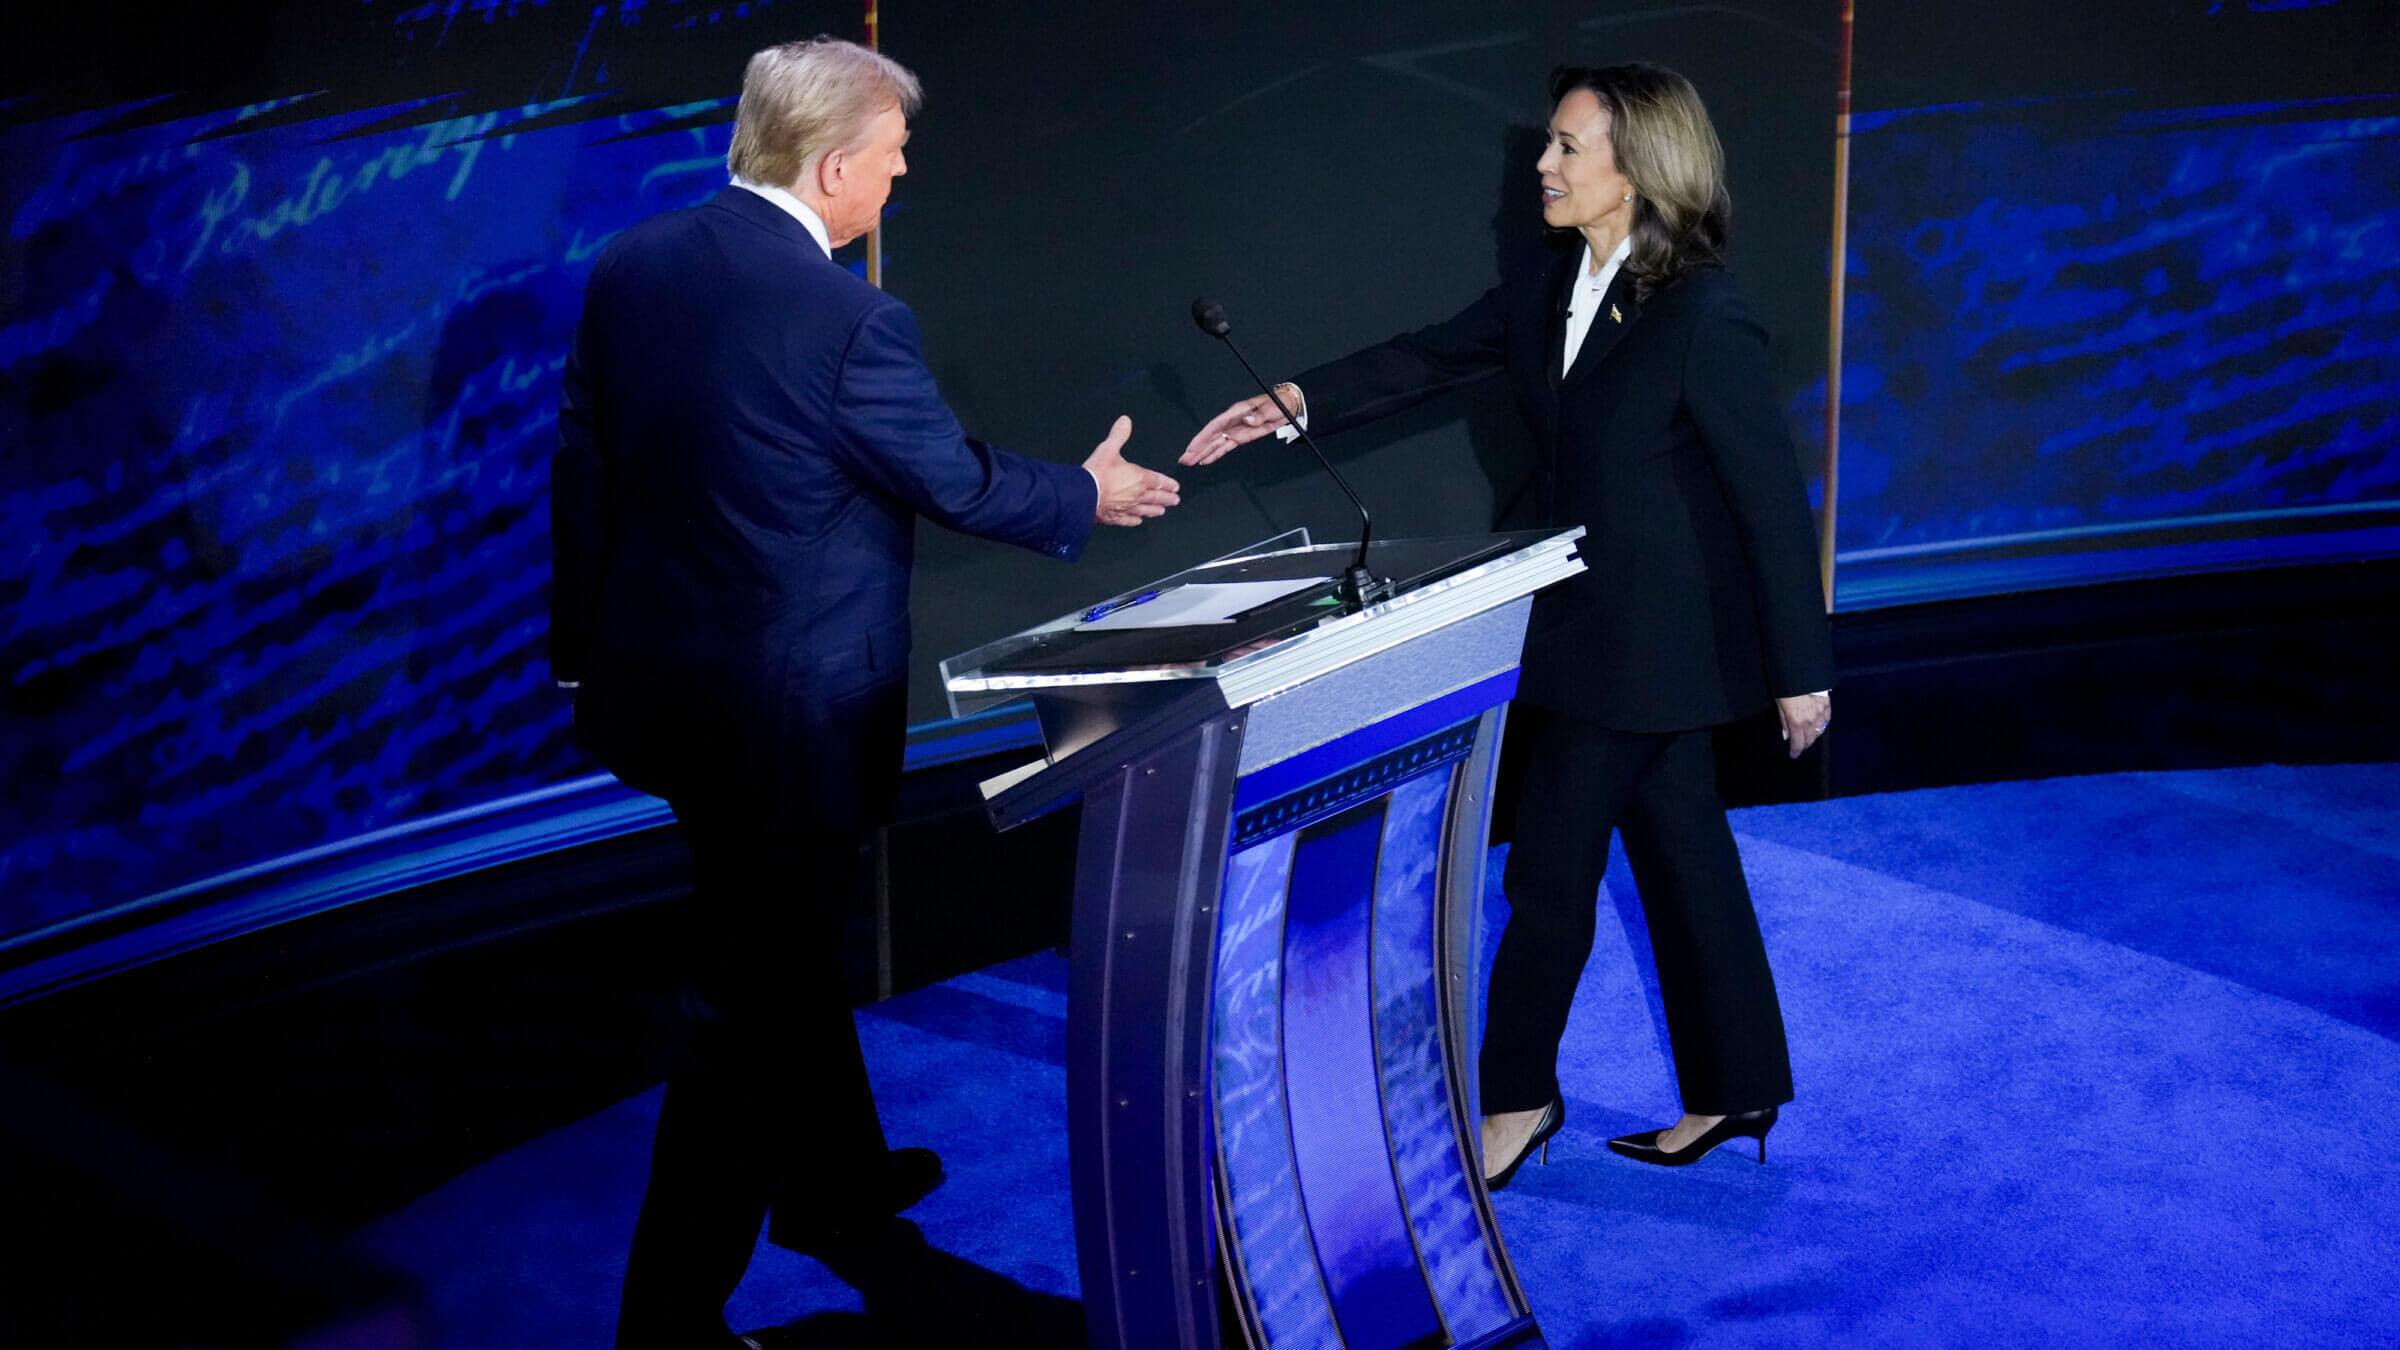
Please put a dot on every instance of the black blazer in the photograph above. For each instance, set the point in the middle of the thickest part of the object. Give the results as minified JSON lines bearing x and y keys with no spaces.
{"x":747,"y":435}
{"x":1665,"y":443}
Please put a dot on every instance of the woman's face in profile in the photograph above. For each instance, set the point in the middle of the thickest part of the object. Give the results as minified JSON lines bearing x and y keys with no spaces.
{"x":1581,"y":186}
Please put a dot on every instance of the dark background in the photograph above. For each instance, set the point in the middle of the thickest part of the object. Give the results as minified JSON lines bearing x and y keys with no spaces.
{"x":285,"y":287}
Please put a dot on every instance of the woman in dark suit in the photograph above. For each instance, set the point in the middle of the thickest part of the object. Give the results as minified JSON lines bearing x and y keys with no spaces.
{"x":1644,"y":378}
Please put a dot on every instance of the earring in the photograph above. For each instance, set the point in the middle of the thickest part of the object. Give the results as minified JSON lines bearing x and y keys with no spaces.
{"x":1629,"y":196}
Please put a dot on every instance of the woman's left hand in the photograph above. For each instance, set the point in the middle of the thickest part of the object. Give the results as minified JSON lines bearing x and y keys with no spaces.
{"x":1805,"y":717}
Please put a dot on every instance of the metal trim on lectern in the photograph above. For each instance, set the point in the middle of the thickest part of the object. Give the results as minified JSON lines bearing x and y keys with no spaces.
{"x":1276,"y":916}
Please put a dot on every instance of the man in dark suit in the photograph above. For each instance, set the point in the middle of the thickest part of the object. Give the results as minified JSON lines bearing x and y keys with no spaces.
{"x":747,"y":434}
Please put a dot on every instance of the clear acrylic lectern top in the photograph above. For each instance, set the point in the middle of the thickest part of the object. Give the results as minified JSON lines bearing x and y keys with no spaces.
{"x":1272,"y":611}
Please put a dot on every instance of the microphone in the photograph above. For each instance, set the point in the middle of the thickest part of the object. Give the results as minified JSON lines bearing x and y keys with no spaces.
{"x":1360,"y":587}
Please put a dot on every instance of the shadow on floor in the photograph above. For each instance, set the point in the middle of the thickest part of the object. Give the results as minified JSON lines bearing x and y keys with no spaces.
{"x":923,"y":1296}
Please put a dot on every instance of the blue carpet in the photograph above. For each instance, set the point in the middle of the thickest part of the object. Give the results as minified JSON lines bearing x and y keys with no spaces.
{"x":2097,"y":1061}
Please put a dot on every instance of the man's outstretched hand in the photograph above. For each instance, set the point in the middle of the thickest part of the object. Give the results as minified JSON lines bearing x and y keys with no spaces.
{"x":1129,"y":493}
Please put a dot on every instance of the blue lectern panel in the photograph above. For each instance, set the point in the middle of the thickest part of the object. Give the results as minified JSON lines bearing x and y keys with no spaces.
{"x":1349,"y":1208}
{"x":1416,"y":1090}
{"x":1364,"y":1242}
{"x":1278,"y":1262}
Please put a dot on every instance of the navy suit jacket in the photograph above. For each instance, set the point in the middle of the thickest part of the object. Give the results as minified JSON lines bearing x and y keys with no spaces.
{"x":746,"y":435}
{"x":1665,"y":443}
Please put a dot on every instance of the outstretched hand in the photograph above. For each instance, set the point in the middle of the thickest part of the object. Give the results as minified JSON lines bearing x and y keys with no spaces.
{"x":1240,"y":424}
{"x":1129,"y":493}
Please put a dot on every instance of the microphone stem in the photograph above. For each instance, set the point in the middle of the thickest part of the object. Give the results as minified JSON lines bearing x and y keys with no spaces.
{"x":1366,"y":523}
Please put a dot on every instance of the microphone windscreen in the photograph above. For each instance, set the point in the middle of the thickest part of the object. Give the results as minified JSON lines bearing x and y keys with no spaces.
{"x":1211,"y":317}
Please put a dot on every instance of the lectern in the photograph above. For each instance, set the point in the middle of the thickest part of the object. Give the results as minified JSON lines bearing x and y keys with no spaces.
{"x":1272,"y":1005}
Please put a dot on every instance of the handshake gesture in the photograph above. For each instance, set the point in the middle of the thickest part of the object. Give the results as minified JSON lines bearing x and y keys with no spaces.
{"x":1129,"y":493}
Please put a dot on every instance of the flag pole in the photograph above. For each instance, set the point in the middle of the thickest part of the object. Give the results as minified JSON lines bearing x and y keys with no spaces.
{"x":1833,"y":338}
{"x":874,"y":236}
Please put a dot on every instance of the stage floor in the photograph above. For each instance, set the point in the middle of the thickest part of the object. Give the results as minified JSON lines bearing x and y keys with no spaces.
{"x":2100,"y":1060}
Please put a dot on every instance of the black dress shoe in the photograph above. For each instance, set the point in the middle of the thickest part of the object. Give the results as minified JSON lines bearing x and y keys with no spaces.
{"x":1749,"y":1124}
{"x":1554,"y":1119}
{"x":910,"y":1174}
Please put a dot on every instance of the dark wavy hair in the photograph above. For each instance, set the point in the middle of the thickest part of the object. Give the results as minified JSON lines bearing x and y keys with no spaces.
{"x":1665,"y":145}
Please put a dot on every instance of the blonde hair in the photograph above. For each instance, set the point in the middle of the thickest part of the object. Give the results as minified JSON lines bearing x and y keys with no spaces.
{"x":802,"y":99}
{"x":1667,"y":148}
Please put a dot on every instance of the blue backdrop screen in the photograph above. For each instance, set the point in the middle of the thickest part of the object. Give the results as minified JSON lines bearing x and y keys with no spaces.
{"x":2087,"y":342}
{"x":282,"y":394}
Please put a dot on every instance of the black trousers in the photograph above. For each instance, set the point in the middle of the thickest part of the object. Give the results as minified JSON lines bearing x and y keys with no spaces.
{"x":1660,"y":789}
{"x":770,"y":1109}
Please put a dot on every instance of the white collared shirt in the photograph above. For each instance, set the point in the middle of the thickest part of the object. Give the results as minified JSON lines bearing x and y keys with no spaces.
{"x":793,"y":207}
{"x":1584,"y":302}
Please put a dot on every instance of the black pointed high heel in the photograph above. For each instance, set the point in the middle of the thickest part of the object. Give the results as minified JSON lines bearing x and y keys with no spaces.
{"x":1554,"y":1119}
{"x":1644,"y":1146}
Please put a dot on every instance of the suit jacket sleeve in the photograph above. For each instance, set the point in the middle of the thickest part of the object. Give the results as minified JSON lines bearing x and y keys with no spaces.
{"x":1729,"y":393}
{"x":895,"y":432}
{"x":1409,"y":369}
{"x":581,"y":523}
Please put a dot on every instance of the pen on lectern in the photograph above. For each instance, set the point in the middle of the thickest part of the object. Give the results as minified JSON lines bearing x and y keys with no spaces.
{"x":1101,"y":611}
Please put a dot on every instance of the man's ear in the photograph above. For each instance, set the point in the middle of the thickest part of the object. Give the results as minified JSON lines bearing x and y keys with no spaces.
{"x":830,"y":171}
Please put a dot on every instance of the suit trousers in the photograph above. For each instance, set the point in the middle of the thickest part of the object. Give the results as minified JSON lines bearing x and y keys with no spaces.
{"x":1660,"y":789}
{"x":769,"y":1108}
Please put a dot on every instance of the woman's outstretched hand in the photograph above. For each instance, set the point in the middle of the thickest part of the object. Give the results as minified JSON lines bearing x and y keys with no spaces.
{"x":1241,"y":424}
